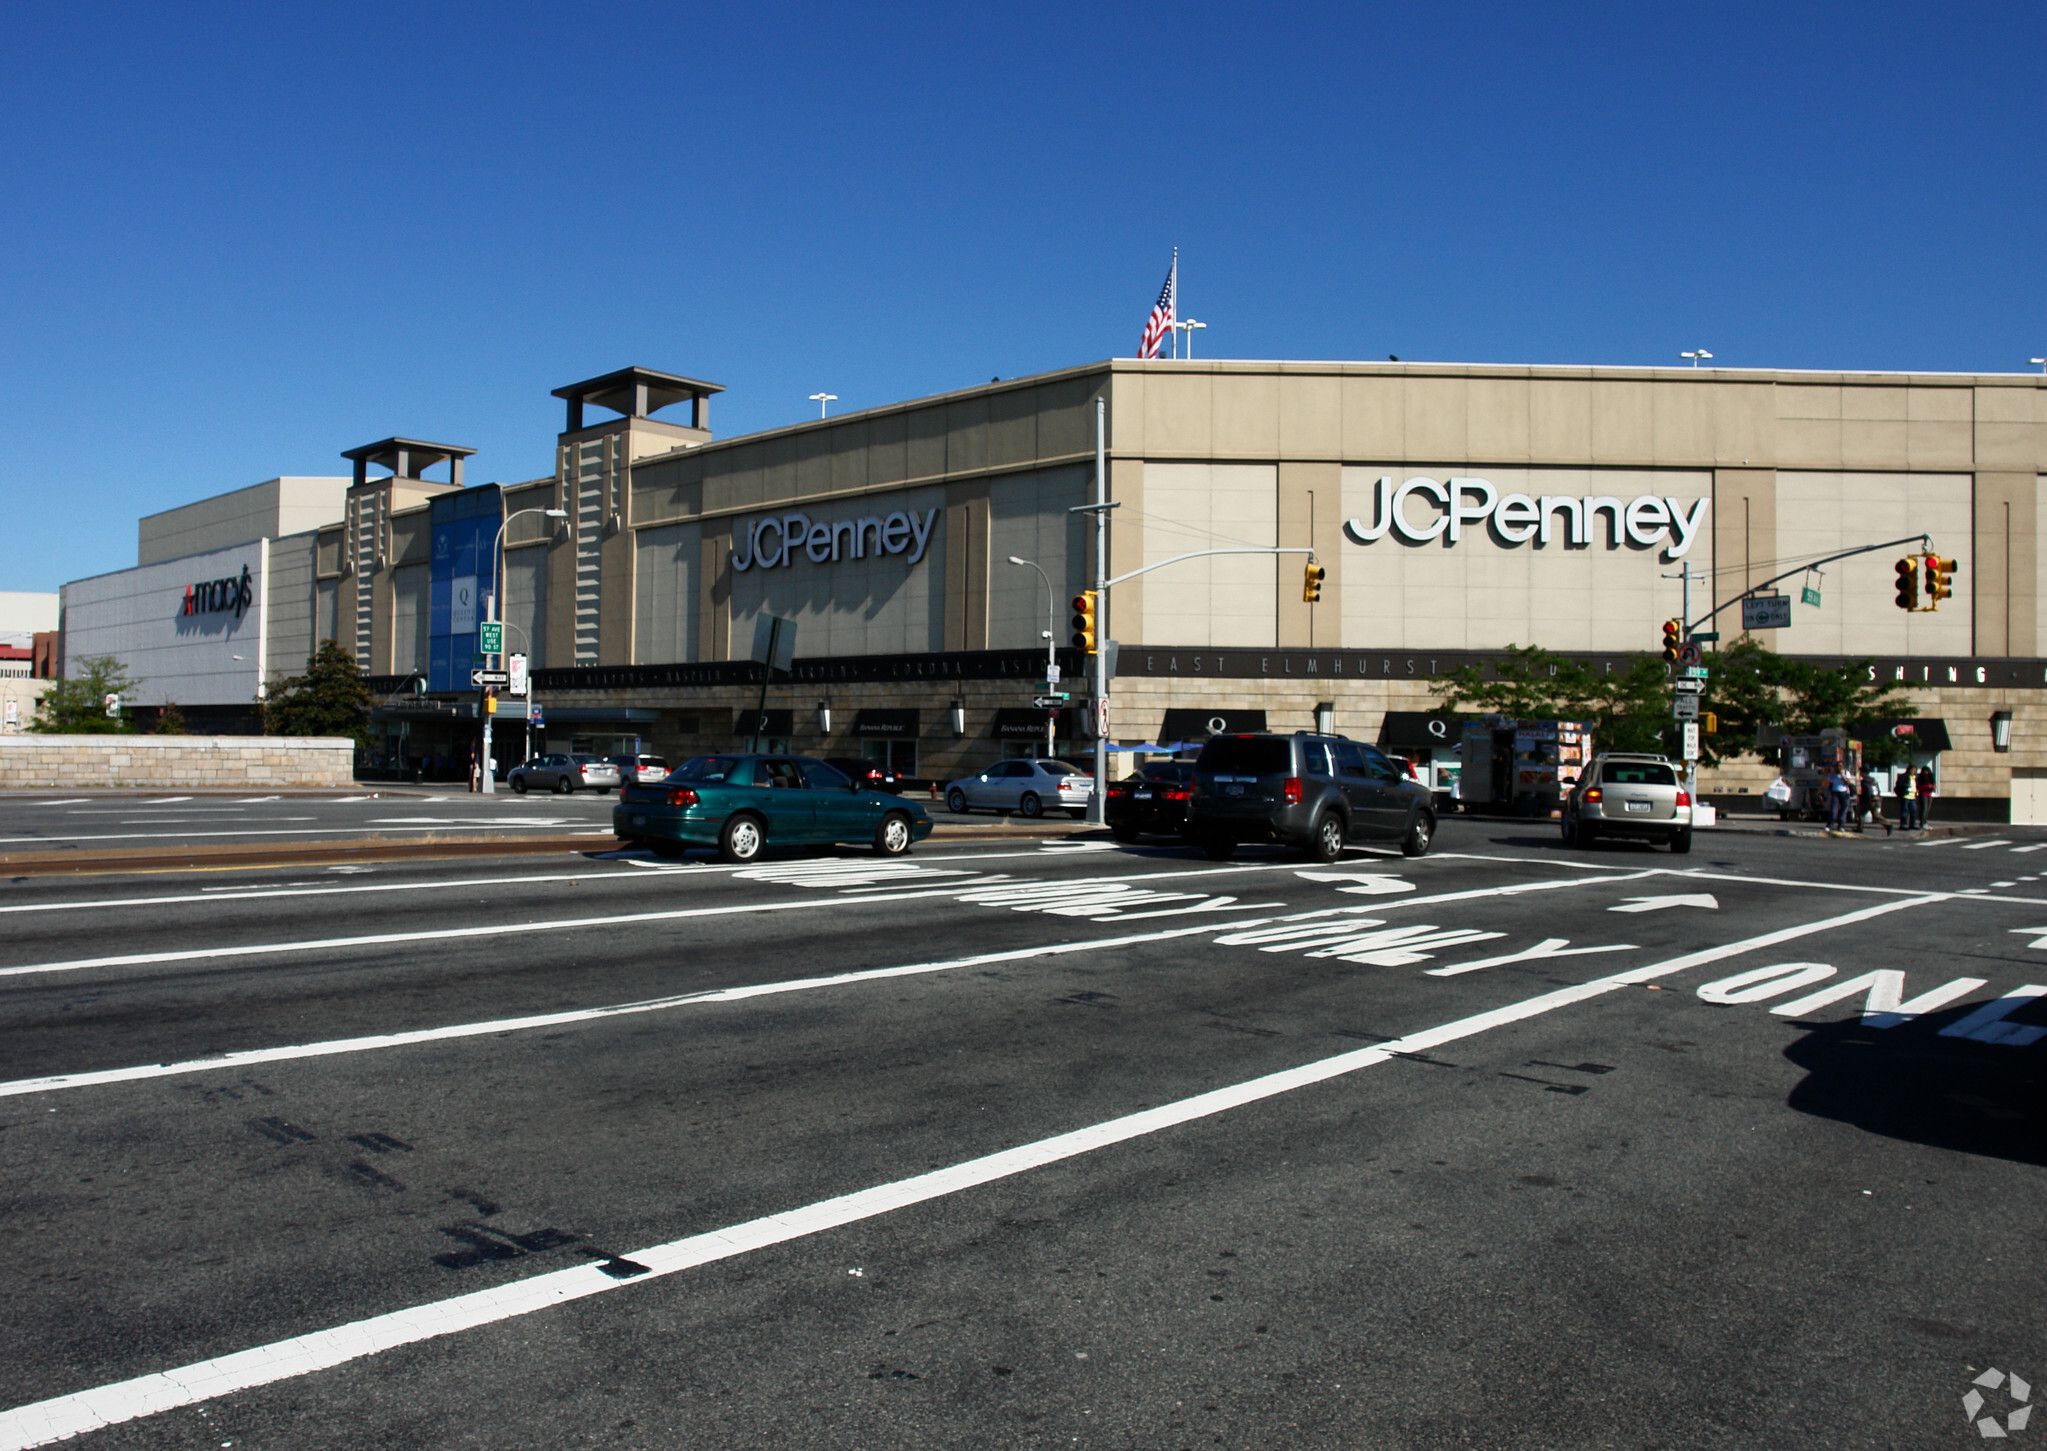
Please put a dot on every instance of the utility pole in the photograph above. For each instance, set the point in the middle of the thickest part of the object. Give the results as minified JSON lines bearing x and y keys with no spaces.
{"x":1098,"y":800}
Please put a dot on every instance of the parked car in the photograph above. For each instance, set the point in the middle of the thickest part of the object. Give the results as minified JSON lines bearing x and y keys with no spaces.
{"x":563,"y":774}
{"x":742,"y":805}
{"x":634,"y":769}
{"x":872,"y":774}
{"x":1028,"y":788}
{"x":1152,"y":801}
{"x":1625,"y":794}
{"x":1311,"y":792}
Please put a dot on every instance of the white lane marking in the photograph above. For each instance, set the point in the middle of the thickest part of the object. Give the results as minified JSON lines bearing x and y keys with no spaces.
{"x":1987,"y":1025}
{"x":253,"y":800}
{"x":1939,"y":841}
{"x":377,"y":1041}
{"x":166,"y":800}
{"x":1361,"y":884}
{"x":1657,"y":904}
{"x":61,"y":801}
{"x":293,"y":831}
{"x":2022,"y":850}
{"x":1884,"y":1002}
{"x":62,"y":1417}
{"x":1547,"y":948}
{"x":2004,"y":884}
{"x":1986,"y":845}
{"x":2037,"y":941}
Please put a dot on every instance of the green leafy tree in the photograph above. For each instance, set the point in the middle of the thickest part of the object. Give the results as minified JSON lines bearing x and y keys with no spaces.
{"x":1628,"y":710}
{"x":1752,"y":687}
{"x":77,"y":704}
{"x":330,"y":699}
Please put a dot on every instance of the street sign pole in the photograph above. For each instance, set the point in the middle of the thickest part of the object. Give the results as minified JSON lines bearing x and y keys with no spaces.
{"x":491,"y":634}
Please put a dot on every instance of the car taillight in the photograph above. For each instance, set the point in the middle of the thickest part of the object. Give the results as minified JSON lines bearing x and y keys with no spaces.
{"x":1179,"y":795}
{"x":1684,"y":798}
{"x":1593,"y":794}
{"x":682,"y":796}
{"x":1119,"y":790}
{"x":1291,"y":790}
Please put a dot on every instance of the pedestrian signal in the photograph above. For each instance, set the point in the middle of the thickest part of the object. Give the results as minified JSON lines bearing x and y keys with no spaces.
{"x":1908,"y":584}
{"x":1084,"y":621}
{"x":1709,"y":722}
{"x":1673,"y":640}
{"x":1940,"y":575}
{"x":1311,"y":582}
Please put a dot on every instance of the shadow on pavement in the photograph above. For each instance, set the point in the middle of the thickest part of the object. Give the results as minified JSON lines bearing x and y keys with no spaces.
{"x":1909,"y":1083}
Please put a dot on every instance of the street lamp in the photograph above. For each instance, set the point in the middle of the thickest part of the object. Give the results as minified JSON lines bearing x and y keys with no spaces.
{"x":1051,"y":650}
{"x":1696,"y":355}
{"x":821,"y":399}
{"x":1190,"y":327}
{"x":484,"y":779}
{"x":2040,"y":363}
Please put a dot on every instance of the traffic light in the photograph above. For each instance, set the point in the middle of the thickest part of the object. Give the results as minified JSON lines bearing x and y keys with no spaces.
{"x":1673,"y":639}
{"x":1311,"y":582}
{"x":1940,"y":574}
{"x":1084,"y":621}
{"x":1908,"y":583}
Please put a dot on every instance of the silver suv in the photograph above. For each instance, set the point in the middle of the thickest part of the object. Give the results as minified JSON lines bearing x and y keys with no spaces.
{"x":1623,"y":794}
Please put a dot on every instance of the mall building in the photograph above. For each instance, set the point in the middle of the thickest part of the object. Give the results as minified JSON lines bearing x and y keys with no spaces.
{"x":1456,"y":508}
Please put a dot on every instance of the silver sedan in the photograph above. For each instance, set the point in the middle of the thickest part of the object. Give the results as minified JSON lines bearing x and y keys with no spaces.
{"x":563,"y":773}
{"x":1028,"y":788}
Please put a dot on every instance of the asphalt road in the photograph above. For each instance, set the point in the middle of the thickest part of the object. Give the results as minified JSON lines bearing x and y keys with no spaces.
{"x":1032,"y":1145}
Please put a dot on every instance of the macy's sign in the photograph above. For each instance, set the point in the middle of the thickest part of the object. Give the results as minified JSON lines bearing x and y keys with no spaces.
{"x":1517,"y":518}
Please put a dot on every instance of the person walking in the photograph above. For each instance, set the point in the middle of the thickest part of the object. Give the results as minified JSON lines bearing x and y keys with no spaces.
{"x":1925,"y":790}
{"x":1871,"y":805}
{"x":1837,"y":800}
{"x":1901,"y":787}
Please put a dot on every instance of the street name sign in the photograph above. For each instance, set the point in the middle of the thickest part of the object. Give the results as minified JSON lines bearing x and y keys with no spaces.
{"x":490,"y":637}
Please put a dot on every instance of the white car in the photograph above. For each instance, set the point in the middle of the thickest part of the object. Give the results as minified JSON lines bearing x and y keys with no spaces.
{"x":1029,"y":788}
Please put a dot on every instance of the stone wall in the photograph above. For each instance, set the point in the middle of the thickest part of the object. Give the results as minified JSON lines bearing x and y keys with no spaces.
{"x":37,"y":762}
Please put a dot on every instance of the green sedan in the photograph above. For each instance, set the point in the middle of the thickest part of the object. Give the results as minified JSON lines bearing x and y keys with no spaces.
{"x":744,"y":804}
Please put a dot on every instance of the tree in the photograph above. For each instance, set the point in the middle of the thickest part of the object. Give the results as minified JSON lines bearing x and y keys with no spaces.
{"x":330,"y":699}
{"x":1753,"y":687}
{"x":1628,"y":710}
{"x":77,"y":704}
{"x":170,"y":721}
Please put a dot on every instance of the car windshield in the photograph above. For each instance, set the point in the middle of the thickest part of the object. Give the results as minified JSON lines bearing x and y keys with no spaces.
{"x":1181,"y":771}
{"x":1637,"y":773}
{"x":707,"y":768}
{"x":590,"y":760}
{"x":1246,"y":756}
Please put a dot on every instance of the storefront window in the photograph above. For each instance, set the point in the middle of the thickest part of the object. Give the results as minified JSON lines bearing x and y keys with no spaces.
{"x":897,"y":756}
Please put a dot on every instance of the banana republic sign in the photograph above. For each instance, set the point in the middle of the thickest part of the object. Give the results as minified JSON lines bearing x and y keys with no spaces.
{"x":220,"y":596}
{"x":1454,"y":504}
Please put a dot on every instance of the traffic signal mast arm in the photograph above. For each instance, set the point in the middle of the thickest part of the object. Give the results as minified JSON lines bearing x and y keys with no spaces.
{"x":1200,"y":553}
{"x":1924,"y":541}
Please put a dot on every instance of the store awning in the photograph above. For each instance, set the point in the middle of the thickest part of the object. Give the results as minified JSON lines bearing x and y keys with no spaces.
{"x":1926,"y":735}
{"x":623,"y":715}
{"x":1027,"y":722}
{"x":900,"y":724}
{"x":1195,"y":725}
{"x":1416,"y":730}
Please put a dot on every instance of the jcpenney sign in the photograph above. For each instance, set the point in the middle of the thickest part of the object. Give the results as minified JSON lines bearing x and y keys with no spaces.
{"x":1518,"y":518}
{"x":778,"y":539}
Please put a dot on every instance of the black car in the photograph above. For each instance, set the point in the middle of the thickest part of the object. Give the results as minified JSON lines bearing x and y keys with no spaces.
{"x":1307,"y":791}
{"x":1154,"y":800}
{"x":871,"y":775}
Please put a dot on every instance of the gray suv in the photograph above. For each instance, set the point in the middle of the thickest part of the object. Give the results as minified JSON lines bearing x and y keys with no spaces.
{"x":1632,"y":795}
{"x":1314,"y":793}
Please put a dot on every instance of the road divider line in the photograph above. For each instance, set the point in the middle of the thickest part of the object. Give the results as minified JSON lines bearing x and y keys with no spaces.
{"x":335,"y":1047}
{"x":63,"y":1417}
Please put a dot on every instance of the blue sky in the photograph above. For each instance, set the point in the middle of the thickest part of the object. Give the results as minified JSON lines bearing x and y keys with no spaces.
{"x":239,"y":239}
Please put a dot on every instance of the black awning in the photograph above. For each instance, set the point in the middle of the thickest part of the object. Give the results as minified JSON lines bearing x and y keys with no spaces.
{"x":1417,"y":730}
{"x":901,"y":724}
{"x":1027,"y":722}
{"x":1926,"y":735}
{"x":1195,"y":725}
{"x":780,"y":723}
{"x":607,"y":714}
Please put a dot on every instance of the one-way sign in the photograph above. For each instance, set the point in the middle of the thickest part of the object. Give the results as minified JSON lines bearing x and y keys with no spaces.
{"x":481,"y":678}
{"x":1048,"y":702}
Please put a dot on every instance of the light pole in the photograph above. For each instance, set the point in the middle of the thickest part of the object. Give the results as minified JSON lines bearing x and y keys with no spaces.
{"x":485,"y":781}
{"x":1696,"y":355}
{"x":821,"y":399}
{"x":1190,"y":327}
{"x":1051,"y":652}
{"x":2040,"y":363}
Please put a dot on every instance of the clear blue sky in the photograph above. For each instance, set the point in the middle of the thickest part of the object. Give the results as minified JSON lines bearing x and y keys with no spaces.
{"x":236,"y":240}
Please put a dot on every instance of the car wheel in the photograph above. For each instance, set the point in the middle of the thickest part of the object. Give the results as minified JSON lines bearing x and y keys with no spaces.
{"x":562,"y":786}
{"x":741,"y":839}
{"x":1419,"y":836}
{"x":519,"y":785}
{"x":1219,"y":848}
{"x":1124,"y":834}
{"x":893,"y":836}
{"x":1681,"y":844}
{"x":956,"y":801}
{"x":1030,"y":805}
{"x":1325,"y":843}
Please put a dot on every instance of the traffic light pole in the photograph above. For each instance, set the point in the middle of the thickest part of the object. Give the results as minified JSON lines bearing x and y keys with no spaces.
{"x":1924,"y":541}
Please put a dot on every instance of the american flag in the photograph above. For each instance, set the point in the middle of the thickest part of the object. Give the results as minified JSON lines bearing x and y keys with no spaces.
{"x":1161,"y":321}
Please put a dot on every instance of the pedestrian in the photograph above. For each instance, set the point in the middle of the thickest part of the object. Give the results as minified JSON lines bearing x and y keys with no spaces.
{"x":1925,"y":790}
{"x":1842,"y":803}
{"x":1872,"y":804}
{"x":1901,"y":787}
{"x":473,"y":785}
